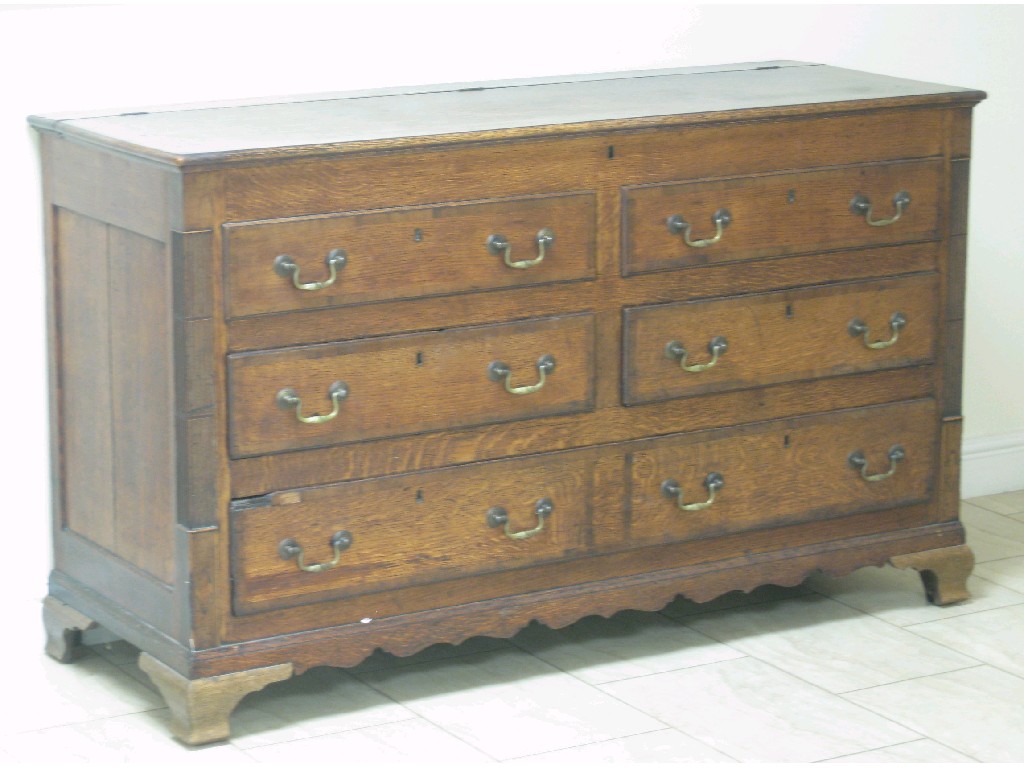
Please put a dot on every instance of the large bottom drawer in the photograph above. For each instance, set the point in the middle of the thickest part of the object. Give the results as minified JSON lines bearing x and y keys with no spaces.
{"x":727,"y":481}
{"x":372,"y":535}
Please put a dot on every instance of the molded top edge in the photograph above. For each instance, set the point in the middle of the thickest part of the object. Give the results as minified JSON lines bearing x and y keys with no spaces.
{"x":239,"y":130}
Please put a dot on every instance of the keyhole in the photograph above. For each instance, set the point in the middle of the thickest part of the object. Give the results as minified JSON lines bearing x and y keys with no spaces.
{"x":419,"y":496}
{"x":419,"y":358}
{"x":791,"y":196}
{"x":789,"y":311}
{"x":785,"y":442}
{"x":611,"y":151}
{"x":417,"y":235}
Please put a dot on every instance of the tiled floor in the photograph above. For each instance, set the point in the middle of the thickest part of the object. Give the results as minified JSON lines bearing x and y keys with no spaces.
{"x":858,"y":669}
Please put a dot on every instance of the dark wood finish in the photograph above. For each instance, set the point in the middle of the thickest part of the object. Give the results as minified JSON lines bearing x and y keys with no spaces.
{"x":447,"y":509}
{"x":177,"y":475}
{"x":440,"y":249}
{"x":777,"y":214}
{"x":423,"y":382}
{"x":780,"y":473}
{"x":776,"y":337}
{"x":256,"y":476}
{"x":64,"y":627}
{"x":200,"y":708}
{"x":265,"y":332}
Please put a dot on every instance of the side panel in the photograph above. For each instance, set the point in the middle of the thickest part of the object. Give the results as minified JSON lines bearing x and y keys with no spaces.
{"x":113,"y":399}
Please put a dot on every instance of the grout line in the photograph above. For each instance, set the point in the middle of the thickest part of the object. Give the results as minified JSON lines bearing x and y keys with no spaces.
{"x":901,"y":744}
{"x":556,"y":752}
{"x":308,"y":737}
{"x":911,"y":679}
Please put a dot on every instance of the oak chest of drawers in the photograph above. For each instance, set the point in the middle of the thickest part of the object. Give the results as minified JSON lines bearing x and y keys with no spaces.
{"x":388,"y":369}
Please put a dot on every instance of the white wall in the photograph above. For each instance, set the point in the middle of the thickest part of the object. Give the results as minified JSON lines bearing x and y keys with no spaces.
{"x":68,"y":58}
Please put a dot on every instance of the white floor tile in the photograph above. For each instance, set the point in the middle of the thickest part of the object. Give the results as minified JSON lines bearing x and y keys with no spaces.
{"x":410,"y":741}
{"x":1008,"y":573}
{"x":62,"y":694}
{"x":753,"y":712}
{"x":509,"y":704}
{"x":665,"y":746}
{"x":630,"y":644}
{"x":898,"y":597}
{"x":682,"y":607}
{"x":828,"y":644}
{"x":994,"y":637}
{"x":321,"y":701}
{"x":142,"y":739}
{"x":975,"y":711}
{"x":990,"y":535}
{"x":1011,"y":503}
{"x":920,"y":751}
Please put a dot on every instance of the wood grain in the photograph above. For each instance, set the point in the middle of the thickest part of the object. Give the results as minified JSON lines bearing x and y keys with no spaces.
{"x":781,"y":473}
{"x":777,"y":214}
{"x":141,"y":360}
{"x":776,"y":337}
{"x":408,"y":252}
{"x":410,"y":529}
{"x":82,"y":315}
{"x":422,"y":382}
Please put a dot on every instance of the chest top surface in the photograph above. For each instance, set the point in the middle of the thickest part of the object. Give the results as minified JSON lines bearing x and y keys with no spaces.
{"x":224,"y":132}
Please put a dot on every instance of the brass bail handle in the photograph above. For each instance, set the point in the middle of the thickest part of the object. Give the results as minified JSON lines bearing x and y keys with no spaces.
{"x":499,"y":371}
{"x":675,"y":350}
{"x":288,"y":399}
{"x":714,"y":482}
{"x":861,"y":206}
{"x":859,"y":462}
{"x":500,"y":246}
{"x":498,"y":516}
{"x":289,"y":549}
{"x":678,"y":225}
{"x":285,"y":266}
{"x":858,"y":328}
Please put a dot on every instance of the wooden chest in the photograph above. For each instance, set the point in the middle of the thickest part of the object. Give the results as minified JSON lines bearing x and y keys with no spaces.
{"x":387,"y":369}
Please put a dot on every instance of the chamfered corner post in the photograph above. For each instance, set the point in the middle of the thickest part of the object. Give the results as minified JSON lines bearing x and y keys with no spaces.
{"x":943,"y":571}
{"x":201,"y":708}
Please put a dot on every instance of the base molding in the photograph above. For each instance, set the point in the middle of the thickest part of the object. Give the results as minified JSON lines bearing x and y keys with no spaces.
{"x":992,"y":464}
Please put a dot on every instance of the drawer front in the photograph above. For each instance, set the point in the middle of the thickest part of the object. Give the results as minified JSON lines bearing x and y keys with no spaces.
{"x":777,"y":214}
{"x":407,"y":252}
{"x":779,"y":336}
{"x":781,"y":473}
{"x":409,"y":529}
{"x":359,"y":390}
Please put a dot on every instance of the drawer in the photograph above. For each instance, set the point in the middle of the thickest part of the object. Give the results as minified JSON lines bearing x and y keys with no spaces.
{"x":779,"y":336}
{"x":408,"y":529}
{"x":781,"y":473}
{"x":778,"y":214}
{"x":364,"y":256}
{"x":358,"y":390}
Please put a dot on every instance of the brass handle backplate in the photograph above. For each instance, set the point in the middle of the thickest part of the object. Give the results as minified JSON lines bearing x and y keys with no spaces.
{"x":499,"y":371}
{"x":858,"y":327}
{"x":498,"y":516}
{"x":714,"y":482}
{"x":861,"y":206}
{"x":285,"y":266}
{"x":860,"y":463}
{"x":500,"y":246}
{"x":290,"y":549}
{"x":678,"y":225}
{"x":288,"y":399}
{"x":675,"y":350}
